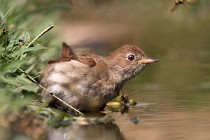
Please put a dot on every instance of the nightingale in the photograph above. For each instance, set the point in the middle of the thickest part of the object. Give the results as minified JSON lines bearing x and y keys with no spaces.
{"x":88,"y":81}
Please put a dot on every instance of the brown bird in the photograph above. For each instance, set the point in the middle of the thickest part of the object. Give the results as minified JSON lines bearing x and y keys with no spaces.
{"x":88,"y":81}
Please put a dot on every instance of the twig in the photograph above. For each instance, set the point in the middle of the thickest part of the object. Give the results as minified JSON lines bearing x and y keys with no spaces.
{"x":41,"y":34}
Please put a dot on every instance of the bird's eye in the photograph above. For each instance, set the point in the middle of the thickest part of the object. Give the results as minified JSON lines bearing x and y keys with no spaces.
{"x":131,"y":57}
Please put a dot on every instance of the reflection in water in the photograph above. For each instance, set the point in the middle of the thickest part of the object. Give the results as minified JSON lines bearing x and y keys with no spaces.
{"x":108,"y":131}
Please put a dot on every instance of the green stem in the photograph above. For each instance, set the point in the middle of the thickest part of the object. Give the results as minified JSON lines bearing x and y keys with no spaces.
{"x":41,"y":34}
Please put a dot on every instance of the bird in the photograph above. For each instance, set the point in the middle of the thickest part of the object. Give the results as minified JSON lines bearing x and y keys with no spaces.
{"x":88,"y":81}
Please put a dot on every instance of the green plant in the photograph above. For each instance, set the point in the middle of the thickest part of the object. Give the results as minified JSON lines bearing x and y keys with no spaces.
{"x":20,"y":23}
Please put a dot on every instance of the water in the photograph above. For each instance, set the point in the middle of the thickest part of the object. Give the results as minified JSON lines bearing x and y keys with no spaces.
{"x":174,"y":117}
{"x":177,"y":111}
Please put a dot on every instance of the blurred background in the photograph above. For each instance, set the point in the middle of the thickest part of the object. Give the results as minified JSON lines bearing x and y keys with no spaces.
{"x":173,"y":94}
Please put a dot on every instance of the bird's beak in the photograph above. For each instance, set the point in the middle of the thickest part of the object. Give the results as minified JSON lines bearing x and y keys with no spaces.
{"x":148,"y":60}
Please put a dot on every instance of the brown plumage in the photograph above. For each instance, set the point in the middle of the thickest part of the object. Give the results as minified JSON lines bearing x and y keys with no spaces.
{"x":88,"y":81}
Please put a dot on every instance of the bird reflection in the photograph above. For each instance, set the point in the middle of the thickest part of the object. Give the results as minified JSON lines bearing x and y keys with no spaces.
{"x":109,"y":131}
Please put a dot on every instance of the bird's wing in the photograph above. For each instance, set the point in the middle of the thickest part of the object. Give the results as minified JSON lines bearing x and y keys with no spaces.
{"x":84,"y":59}
{"x":76,"y":69}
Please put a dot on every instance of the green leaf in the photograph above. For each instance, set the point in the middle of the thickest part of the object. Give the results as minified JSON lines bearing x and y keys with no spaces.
{"x":25,"y":37}
{"x":11,"y":67}
{"x":24,"y":50}
{"x":9,"y":80}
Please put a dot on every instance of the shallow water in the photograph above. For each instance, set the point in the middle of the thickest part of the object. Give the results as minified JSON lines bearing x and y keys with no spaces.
{"x":174,"y":117}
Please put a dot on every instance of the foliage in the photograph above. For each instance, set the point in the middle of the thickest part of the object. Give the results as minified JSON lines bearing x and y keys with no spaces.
{"x":20,"y":22}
